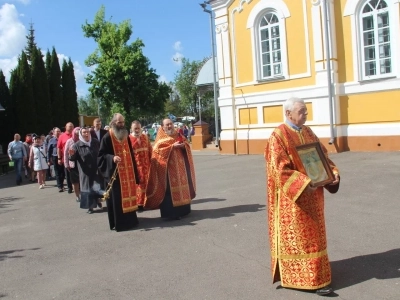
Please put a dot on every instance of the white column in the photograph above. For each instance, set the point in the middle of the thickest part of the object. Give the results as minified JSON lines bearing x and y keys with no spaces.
{"x":225,"y":100}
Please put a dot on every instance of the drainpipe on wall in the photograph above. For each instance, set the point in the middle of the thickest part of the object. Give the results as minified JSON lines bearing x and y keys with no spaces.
{"x":328,"y":66}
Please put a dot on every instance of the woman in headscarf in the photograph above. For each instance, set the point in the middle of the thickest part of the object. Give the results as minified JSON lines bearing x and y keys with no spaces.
{"x":38,"y":161}
{"x":85,"y":152}
{"x":70,"y":165}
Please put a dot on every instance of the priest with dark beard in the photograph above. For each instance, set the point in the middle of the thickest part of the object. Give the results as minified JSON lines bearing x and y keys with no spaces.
{"x":116,"y":152}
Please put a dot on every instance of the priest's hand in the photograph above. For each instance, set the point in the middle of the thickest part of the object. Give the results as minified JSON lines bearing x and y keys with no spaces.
{"x":117,"y":159}
{"x":337,"y":179}
{"x":179,"y":145}
{"x":310,"y":188}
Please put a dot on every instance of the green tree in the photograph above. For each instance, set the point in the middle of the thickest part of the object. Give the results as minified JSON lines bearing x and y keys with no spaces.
{"x":48,"y":67}
{"x":69,"y":93}
{"x":7,"y":116}
{"x":123,"y":74}
{"x":74,"y":96}
{"x":41,"y":92}
{"x":31,"y":44}
{"x":57,"y":104}
{"x":87,"y":106}
{"x":173,"y":104}
{"x":185,"y":83}
{"x":14,"y":87}
{"x":25,"y":104}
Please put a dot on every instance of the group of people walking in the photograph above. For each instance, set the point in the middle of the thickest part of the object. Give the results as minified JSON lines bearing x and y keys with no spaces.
{"x":131,"y":174}
{"x":115,"y":166}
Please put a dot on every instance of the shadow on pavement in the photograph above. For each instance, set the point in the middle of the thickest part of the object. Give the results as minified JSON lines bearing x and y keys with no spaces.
{"x":9,"y":254}
{"x":351,"y":271}
{"x":6,"y":202}
{"x":147,"y":224}
{"x":205,"y":200}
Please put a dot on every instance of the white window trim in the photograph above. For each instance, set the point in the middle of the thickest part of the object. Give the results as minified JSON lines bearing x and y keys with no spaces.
{"x":353,"y":9}
{"x":279,"y":8}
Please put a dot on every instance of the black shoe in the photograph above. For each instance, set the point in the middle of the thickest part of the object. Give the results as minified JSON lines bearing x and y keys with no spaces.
{"x":70,"y":191}
{"x":61,"y":190}
{"x":90,"y":211}
{"x":324,"y":291}
{"x":99,"y":205}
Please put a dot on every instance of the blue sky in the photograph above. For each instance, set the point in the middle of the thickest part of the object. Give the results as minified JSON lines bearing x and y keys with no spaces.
{"x":169,"y":29}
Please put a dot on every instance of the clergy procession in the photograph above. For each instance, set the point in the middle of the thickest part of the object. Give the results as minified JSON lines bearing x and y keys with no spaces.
{"x":134,"y":176}
{"x":131,"y":175}
{"x":123,"y":169}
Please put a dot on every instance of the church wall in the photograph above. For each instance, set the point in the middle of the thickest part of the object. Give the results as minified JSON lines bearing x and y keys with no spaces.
{"x":366,"y":113}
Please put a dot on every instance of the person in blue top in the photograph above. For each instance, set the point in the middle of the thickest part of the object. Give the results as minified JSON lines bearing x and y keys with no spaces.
{"x":17,"y":153}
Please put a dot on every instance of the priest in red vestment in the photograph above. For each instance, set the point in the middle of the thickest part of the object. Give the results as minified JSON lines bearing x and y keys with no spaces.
{"x":297,"y":234}
{"x":142,"y":147}
{"x":116,"y":151}
{"x":172,"y":182}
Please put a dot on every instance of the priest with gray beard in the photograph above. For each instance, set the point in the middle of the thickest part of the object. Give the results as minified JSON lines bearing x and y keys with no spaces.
{"x":116,"y":153}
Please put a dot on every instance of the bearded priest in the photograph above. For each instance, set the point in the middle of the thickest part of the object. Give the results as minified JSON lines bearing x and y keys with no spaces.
{"x":116,"y":152}
{"x":172,"y":182}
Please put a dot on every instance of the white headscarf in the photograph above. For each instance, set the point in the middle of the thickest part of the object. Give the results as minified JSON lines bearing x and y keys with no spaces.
{"x":83,"y":140}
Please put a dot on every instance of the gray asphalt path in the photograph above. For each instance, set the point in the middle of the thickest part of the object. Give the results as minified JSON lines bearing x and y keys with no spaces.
{"x":51,"y":249}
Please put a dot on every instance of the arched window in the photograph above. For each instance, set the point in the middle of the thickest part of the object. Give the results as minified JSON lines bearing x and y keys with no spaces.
{"x":270,"y":46}
{"x":376,"y":44}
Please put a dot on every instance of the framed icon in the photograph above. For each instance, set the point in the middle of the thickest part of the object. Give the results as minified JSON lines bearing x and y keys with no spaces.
{"x":312,"y":162}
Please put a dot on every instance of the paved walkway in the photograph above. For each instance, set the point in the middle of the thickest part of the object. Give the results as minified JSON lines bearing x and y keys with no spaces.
{"x":51,"y":249}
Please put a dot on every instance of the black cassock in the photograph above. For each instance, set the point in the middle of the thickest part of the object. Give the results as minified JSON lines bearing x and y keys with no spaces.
{"x":118,"y":220}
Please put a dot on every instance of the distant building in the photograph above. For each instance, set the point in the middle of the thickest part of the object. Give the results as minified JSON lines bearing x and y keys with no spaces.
{"x":270,"y":50}
{"x":86,"y":120}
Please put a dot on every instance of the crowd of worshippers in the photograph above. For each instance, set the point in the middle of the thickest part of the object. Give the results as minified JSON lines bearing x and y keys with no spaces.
{"x":112,"y":165}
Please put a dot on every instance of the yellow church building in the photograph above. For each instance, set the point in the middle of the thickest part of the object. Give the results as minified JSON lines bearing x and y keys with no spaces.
{"x":271,"y":50}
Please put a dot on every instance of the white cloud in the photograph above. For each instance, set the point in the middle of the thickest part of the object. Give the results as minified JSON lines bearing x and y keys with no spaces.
{"x":7,"y":64}
{"x":178,"y":46}
{"x":162,"y":78}
{"x":12,"y":31}
{"x":177,"y":58}
{"x":61,"y":58}
{"x":79,"y":73}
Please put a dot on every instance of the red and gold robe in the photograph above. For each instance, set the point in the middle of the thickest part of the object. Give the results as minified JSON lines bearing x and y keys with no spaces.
{"x":143,"y":150}
{"x":167,"y":158}
{"x":297,"y":235}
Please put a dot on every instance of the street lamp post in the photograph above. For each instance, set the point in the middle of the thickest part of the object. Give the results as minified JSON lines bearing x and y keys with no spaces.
{"x":204,"y":6}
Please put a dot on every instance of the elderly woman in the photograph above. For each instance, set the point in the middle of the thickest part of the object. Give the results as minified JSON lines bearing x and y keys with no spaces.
{"x":71,"y":167}
{"x":85,"y":153}
{"x":38,"y":160}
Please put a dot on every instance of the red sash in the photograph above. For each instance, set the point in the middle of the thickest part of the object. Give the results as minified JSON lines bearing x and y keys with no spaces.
{"x":126,"y":174}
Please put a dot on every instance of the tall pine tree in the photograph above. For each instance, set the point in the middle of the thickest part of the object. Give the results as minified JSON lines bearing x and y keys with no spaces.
{"x":48,"y":66}
{"x":31,"y":44}
{"x":74,"y":96}
{"x":14,"y":87}
{"x":25,"y":104}
{"x":57,"y":104}
{"x":6,"y":117}
{"x":41,"y":92}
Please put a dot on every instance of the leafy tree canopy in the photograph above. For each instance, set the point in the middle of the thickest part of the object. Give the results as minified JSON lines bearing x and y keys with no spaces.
{"x":122,"y":73}
{"x":185,"y":84}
